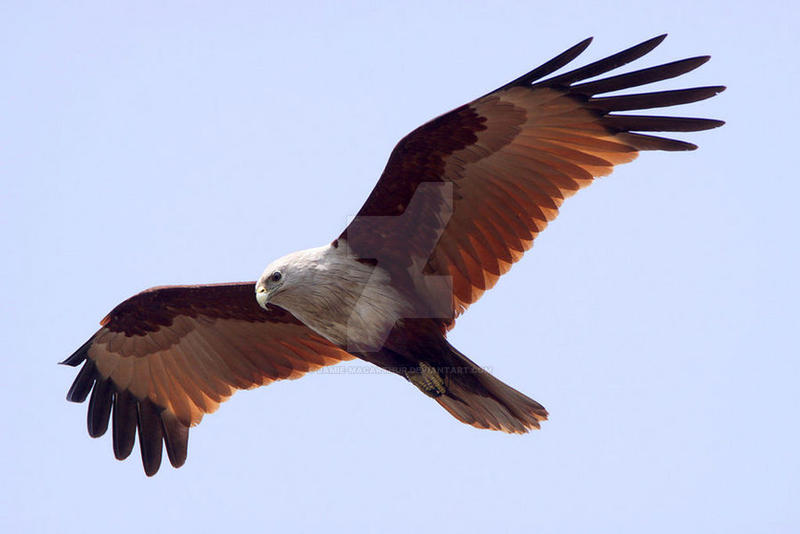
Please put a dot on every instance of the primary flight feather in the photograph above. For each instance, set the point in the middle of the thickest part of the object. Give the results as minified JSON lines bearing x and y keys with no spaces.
{"x":460,"y":200}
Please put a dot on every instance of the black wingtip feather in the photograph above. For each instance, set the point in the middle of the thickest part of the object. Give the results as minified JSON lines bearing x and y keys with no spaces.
{"x":651,"y":142}
{"x":157,"y":428}
{"x":176,"y":439}
{"x":602,"y":66}
{"x":83,"y":383}
{"x":124,"y":424}
{"x":99,"y":408}
{"x":550,"y":66}
{"x":640,"y":77}
{"x":658,"y":99}
{"x":79,"y":355}
{"x":647,"y":123}
{"x":151,"y":436}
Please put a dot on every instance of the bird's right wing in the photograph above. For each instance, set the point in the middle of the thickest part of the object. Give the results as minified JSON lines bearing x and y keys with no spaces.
{"x":169,"y":355}
{"x":464,"y":195}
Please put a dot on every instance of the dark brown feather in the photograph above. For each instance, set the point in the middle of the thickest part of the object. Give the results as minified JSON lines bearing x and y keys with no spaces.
{"x":604,"y":65}
{"x":150,"y":436}
{"x":83,"y":383}
{"x":660,"y":99}
{"x":158,"y":306}
{"x":176,"y":439}
{"x":422,"y":152}
{"x":124,"y":424}
{"x":79,"y":355}
{"x":99,"y":408}
{"x":550,"y":66}
{"x":651,"y":142}
{"x":640,"y":77}
{"x":645,"y":123}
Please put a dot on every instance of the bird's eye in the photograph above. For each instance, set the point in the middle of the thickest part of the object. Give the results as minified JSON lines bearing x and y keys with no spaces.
{"x":276,"y":276}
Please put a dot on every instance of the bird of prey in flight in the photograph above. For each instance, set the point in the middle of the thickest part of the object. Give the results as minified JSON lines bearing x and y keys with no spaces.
{"x":461,"y":199}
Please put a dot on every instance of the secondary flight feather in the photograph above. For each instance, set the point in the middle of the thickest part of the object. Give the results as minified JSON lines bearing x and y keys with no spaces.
{"x":460,"y":200}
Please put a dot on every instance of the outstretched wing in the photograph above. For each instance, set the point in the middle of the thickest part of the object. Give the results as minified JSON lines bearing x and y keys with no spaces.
{"x":466,"y":194}
{"x":169,"y":355}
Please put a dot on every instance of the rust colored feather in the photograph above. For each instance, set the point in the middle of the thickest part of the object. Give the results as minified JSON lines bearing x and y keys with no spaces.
{"x":518,"y":152}
{"x":160,"y":373}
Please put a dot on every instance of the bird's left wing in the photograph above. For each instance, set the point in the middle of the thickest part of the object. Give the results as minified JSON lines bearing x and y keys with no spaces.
{"x":169,"y":355}
{"x":464,"y":195}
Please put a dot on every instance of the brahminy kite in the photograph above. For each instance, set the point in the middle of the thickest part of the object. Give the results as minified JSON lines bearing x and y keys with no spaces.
{"x":460,"y":200}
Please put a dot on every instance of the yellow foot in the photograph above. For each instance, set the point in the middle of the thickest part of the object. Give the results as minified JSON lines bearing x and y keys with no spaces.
{"x":427,"y":379}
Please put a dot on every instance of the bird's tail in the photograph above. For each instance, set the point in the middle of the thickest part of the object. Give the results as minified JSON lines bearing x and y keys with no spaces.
{"x":473,"y":396}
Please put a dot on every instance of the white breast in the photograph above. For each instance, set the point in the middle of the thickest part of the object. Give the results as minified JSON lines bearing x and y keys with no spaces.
{"x":351,"y":304}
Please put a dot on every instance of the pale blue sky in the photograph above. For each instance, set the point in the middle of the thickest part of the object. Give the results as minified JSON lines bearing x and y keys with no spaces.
{"x":656,"y":319}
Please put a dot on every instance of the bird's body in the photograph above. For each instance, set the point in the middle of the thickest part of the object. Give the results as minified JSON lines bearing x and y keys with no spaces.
{"x":361,"y":308}
{"x":351,"y":303}
{"x":461,"y":199}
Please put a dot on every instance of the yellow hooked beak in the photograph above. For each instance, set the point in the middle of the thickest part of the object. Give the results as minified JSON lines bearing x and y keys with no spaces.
{"x":262,"y":296}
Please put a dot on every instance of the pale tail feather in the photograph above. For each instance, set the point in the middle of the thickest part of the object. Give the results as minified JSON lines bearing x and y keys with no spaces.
{"x":479,"y":399}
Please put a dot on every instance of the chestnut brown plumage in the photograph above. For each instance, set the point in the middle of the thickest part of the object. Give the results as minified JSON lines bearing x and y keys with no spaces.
{"x":461,"y":199}
{"x":512,"y":157}
{"x":167,"y":356}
